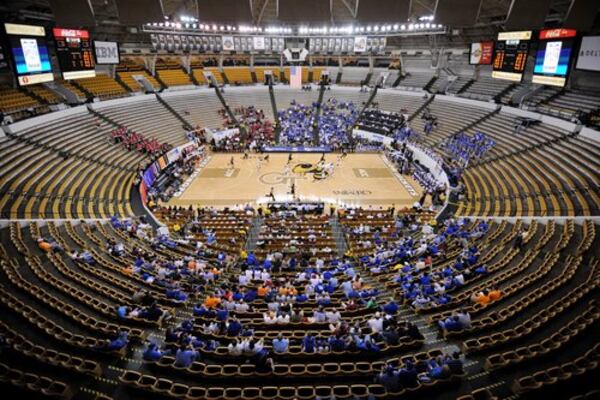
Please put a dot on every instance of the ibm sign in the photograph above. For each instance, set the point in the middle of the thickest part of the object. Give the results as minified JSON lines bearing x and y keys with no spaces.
{"x":106,"y":52}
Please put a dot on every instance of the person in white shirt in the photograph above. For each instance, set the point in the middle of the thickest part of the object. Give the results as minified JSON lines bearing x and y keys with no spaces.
{"x":333,"y":317}
{"x":376,"y":323}
{"x":241,"y":307}
{"x":283,"y":319}
{"x":235,"y":349}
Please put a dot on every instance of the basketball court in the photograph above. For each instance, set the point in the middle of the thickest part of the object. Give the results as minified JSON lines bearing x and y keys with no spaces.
{"x":357,"y":180}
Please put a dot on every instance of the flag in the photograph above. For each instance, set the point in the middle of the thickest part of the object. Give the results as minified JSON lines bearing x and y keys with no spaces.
{"x":296,"y":77}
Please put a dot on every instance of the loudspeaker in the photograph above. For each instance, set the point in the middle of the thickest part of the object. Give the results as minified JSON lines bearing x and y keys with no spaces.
{"x":137,"y":12}
{"x":375,"y":11}
{"x":527,"y":14}
{"x":457,"y":12}
{"x":73,"y":13}
{"x":581,"y":14}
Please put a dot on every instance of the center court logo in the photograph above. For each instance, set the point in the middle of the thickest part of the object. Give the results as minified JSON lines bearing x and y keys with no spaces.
{"x":277,"y":178}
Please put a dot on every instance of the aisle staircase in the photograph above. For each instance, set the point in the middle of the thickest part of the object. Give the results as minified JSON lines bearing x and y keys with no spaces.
{"x":338,"y":234}
{"x":253,"y":233}
{"x":186,"y":124}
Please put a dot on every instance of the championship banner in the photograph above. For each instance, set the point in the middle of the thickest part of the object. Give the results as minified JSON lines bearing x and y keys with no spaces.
{"x":258,"y":42}
{"x":360,"y":44}
{"x":228,"y":43}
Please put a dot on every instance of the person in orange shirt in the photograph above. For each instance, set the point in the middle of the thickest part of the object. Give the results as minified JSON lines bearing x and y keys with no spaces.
{"x":45,"y":246}
{"x":495,"y":294}
{"x":212,"y":301}
{"x":262,"y":291}
{"x":482,"y":298}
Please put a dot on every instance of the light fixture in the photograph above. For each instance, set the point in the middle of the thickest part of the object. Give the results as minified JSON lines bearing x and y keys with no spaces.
{"x":395,"y":27}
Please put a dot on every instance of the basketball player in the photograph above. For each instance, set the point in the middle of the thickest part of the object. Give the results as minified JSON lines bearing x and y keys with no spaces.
{"x":287,"y":170}
{"x":266,"y":159}
{"x":232,"y":163}
{"x":290,"y":158}
{"x":272,"y":195}
{"x":246,"y":155}
{"x":293,"y":190}
{"x":322,"y":157}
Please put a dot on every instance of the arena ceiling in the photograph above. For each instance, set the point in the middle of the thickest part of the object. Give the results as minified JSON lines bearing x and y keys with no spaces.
{"x":490,"y":17}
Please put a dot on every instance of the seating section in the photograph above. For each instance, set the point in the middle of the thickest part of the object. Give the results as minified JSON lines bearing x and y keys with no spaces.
{"x":46,"y":94}
{"x":347,"y":94}
{"x":542,"y":94}
{"x":451,"y":118}
{"x":174,"y":77}
{"x":216,"y":72}
{"x":354,"y":75}
{"x":72,"y":88}
{"x":555,"y":180}
{"x":459,"y":84}
{"x":66,"y":169}
{"x":486,"y":88}
{"x":260,"y":73}
{"x":570,"y":104}
{"x":284,"y":96}
{"x":15,"y":102}
{"x":147,"y":117}
{"x":550,"y":316}
{"x":390,"y":100}
{"x":238,"y":75}
{"x":415,"y":80}
{"x":128,"y":79}
{"x":102,"y":86}
{"x":292,"y":300}
{"x":252,"y":96}
{"x":199,"y":108}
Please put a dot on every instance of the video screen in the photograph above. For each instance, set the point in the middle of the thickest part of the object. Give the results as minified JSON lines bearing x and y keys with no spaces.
{"x":510,"y":56}
{"x":553,"y":56}
{"x":29,"y":52}
{"x":481,"y":53}
{"x":74,"y":52}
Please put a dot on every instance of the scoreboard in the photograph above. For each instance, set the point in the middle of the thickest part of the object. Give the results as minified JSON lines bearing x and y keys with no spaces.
{"x":74,"y":52}
{"x":510,"y":55}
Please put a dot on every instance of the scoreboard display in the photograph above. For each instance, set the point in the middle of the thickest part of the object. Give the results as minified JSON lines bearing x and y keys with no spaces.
{"x":74,"y":52}
{"x":553,"y":56}
{"x":510,"y":55}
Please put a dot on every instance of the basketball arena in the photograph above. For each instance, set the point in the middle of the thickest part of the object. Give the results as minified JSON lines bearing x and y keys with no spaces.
{"x":284,"y":199}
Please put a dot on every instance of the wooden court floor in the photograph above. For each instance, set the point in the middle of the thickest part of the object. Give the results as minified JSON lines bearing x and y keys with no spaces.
{"x":359,"y":179}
